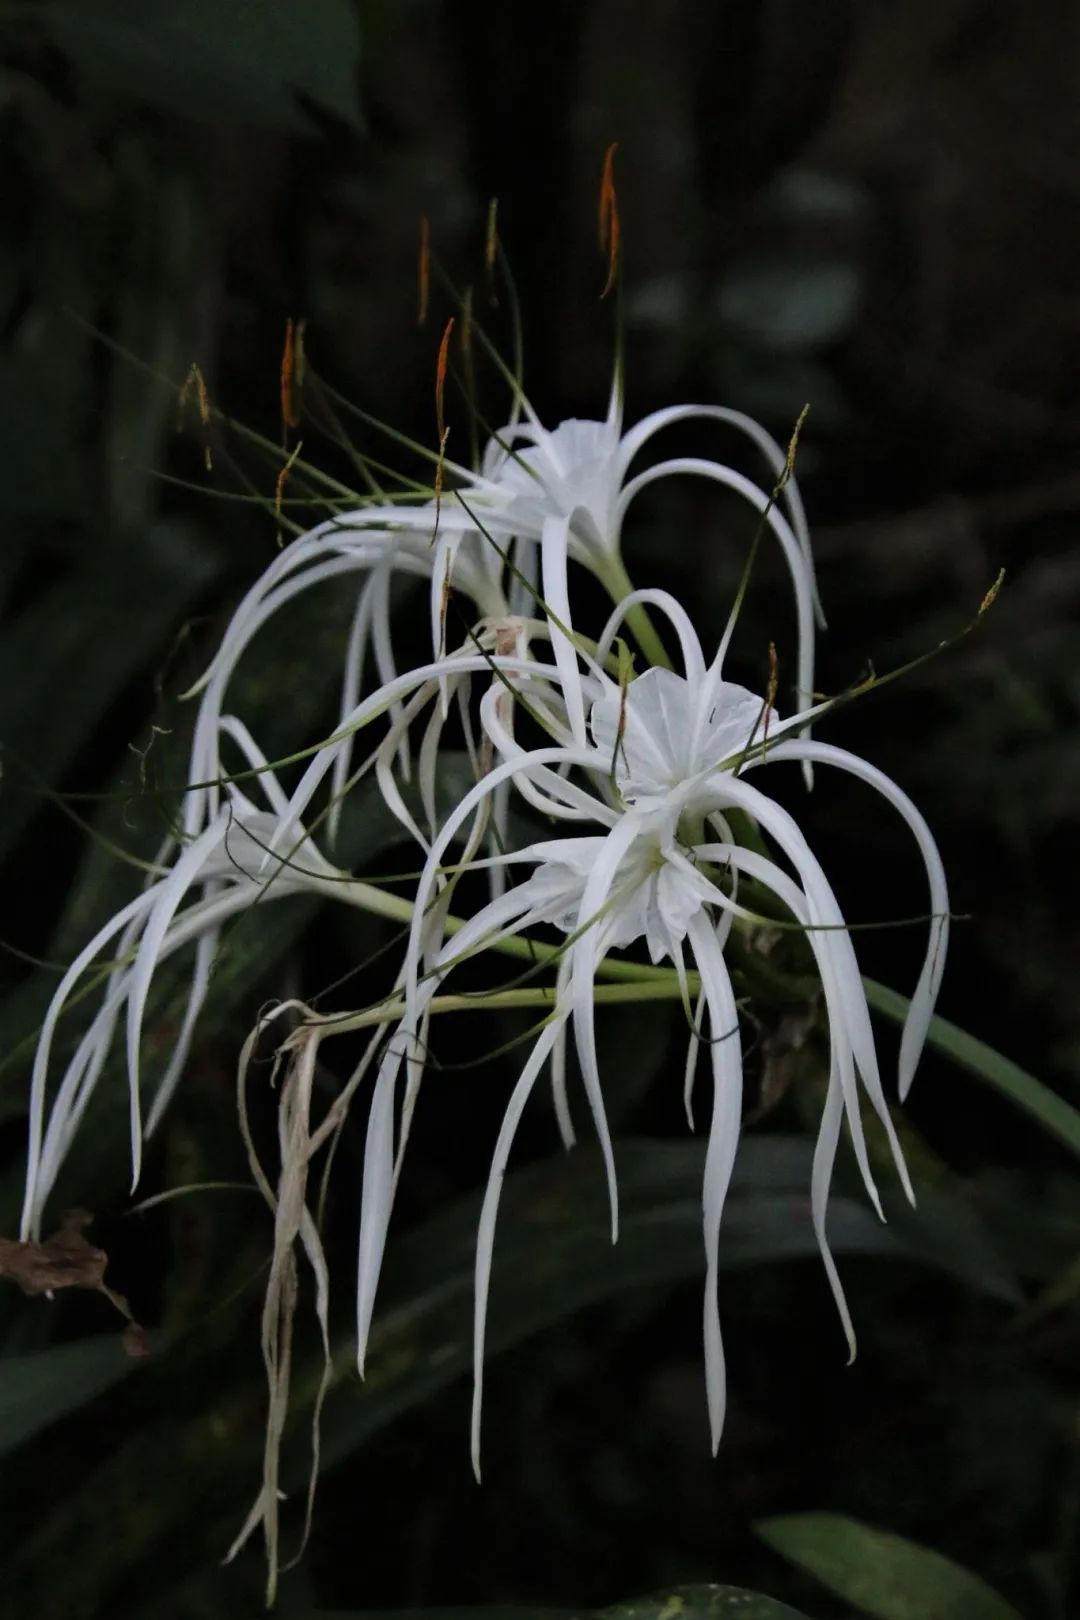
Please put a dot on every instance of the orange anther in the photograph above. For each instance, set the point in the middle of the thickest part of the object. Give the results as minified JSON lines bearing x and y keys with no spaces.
{"x":491,"y":235}
{"x":608,"y":218}
{"x":423,"y":271}
{"x":279,"y":486}
{"x":289,"y":415}
{"x":195,"y":383}
{"x":440,"y":378}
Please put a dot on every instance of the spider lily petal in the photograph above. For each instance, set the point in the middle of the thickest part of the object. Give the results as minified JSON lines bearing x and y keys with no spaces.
{"x":230,"y":865}
{"x":720,"y":1153}
{"x":922,"y":1002}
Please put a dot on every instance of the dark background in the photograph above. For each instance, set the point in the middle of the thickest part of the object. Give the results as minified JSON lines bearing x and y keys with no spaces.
{"x":872,"y":208}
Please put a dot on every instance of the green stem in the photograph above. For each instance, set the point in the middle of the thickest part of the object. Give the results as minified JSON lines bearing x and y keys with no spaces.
{"x":618,"y":584}
{"x":498,"y":1000}
{"x":396,"y":909}
{"x":638,"y":981}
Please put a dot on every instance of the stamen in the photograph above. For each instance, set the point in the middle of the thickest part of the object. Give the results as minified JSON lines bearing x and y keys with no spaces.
{"x":440,"y":419}
{"x":770,"y":695}
{"x":195,"y":383}
{"x":292,"y":351}
{"x":440,"y":378}
{"x":991,"y":596}
{"x":491,"y":242}
{"x":608,"y":218}
{"x":279,"y":488}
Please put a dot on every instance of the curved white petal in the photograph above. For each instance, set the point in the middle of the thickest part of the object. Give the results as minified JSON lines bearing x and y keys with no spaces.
{"x":136,"y":908}
{"x":485,"y":1234}
{"x":167,"y":897}
{"x":723,"y":1142}
{"x":921,"y":1010}
{"x":586,"y":953}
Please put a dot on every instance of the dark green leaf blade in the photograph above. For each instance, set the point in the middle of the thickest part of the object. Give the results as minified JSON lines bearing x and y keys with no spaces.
{"x":883,"y":1574}
{"x":677,"y":1603}
{"x":242,"y":64}
{"x":39,"y":1388}
{"x":1052,"y":1112}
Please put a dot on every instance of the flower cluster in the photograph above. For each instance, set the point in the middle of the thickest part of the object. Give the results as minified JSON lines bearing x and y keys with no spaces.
{"x":660,"y":837}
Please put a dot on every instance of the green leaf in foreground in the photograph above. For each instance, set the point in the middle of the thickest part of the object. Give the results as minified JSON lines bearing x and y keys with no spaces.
{"x":38,"y":1388}
{"x":676,"y":1603}
{"x":553,"y":1256}
{"x":1052,"y":1112}
{"x":883,"y":1574}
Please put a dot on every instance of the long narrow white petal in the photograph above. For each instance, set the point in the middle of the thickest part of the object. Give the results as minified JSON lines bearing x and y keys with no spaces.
{"x":922,"y":1002}
{"x":553,"y":573}
{"x":376,"y":1194}
{"x":205,"y":951}
{"x":457,"y":817}
{"x":692,"y":1051}
{"x":167,"y":898}
{"x":692,"y":656}
{"x":558,"y":1062}
{"x":586,"y":953}
{"x":201,"y":803}
{"x":135,"y":908}
{"x":820,"y":1181}
{"x":838,"y":958}
{"x":790,"y":497}
{"x":562,"y":799}
{"x":351,"y":677}
{"x":723,"y":1143}
{"x":378,"y":703}
{"x":384,"y":649}
{"x":485,"y":1234}
{"x":801,"y":577}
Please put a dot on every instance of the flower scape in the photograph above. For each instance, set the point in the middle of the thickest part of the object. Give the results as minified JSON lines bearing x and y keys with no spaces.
{"x":656,"y":848}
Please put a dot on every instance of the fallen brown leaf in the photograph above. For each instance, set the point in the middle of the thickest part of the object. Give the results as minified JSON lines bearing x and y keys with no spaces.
{"x":68,"y":1260}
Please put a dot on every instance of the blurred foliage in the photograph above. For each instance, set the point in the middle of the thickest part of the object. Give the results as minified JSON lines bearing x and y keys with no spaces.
{"x":870,"y":208}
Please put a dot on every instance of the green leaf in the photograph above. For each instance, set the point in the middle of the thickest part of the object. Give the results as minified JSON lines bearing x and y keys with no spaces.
{"x":676,"y":1603}
{"x":553,"y":1257}
{"x":39,"y":1388}
{"x":883,"y":1574}
{"x":702,"y":1603}
{"x":1052,"y":1112}
{"x":237,"y":64}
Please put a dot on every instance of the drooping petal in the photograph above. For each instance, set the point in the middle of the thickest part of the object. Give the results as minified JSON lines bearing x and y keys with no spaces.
{"x":376,"y":1194}
{"x":921,"y":1010}
{"x":137,"y":908}
{"x":557,"y":601}
{"x":801,"y":576}
{"x":485,"y":1233}
{"x":166,"y":899}
{"x":689,"y":645}
{"x":586,"y":954}
{"x":720,"y":1154}
{"x":839,"y":958}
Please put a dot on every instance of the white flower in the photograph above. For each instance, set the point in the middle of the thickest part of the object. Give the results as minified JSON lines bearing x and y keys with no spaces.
{"x":229,"y":867}
{"x":540,"y":498}
{"x":665,"y":759}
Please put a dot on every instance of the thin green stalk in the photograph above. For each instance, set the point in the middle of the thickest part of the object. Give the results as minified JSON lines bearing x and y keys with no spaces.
{"x":497,"y":1001}
{"x":617,"y":582}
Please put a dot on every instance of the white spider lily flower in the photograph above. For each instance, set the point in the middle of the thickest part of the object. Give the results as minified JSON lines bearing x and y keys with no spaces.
{"x":666,"y":759}
{"x":540,"y":497}
{"x":578,"y":474}
{"x":228,"y":867}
